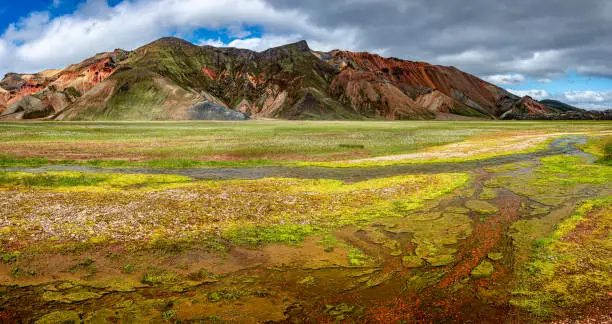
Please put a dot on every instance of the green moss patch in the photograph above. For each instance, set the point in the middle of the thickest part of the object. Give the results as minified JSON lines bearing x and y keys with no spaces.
{"x":90,"y":181}
{"x":68,"y":298}
{"x":434,"y":234}
{"x":412,"y":261}
{"x":481,"y":207}
{"x":554,"y":181}
{"x":483,"y":270}
{"x":570,"y":267}
{"x":67,"y":317}
{"x":487,"y":193}
{"x":495,"y":256}
{"x":156,"y":276}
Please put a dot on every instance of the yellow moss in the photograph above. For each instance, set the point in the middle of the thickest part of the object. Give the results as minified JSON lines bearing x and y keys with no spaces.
{"x":570,"y":267}
{"x":92,"y":182}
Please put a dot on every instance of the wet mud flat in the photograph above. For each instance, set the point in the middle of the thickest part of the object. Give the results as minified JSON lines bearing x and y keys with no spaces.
{"x":463,"y":257}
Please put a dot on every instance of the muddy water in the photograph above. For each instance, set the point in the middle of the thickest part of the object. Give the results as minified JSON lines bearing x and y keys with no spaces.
{"x":558,"y":146}
{"x":312,"y":283}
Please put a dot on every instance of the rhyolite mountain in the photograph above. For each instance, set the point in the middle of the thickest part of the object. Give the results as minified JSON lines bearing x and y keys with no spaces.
{"x":172,"y":79}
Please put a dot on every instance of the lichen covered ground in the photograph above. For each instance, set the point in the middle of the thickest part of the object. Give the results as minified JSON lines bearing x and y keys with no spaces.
{"x":527,"y":241}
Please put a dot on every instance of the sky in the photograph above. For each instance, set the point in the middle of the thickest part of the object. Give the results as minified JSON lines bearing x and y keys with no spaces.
{"x":556,"y":49}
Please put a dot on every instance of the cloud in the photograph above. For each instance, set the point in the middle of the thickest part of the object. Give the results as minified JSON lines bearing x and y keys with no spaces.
{"x":212,"y":42}
{"x":544,"y":81}
{"x":536,"y":94}
{"x":506,"y":79}
{"x":536,"y":39}
{"x":254,"y":43}
{"x":586,"y":99}
{"x":38,"y":42}
{"x":588,"y":96}
{"x":592,"y":106}
{"x":479,"y":36}
{"x":27,"y":28}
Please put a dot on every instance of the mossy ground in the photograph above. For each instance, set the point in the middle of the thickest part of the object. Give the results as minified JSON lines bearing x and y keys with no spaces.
{"x":437,"y":247}
{"x":601,"y":147}
{"x":562,"y":262}
{"x":570,"y":267}
{"x":555,"y":180}
{"x":72,"y":208}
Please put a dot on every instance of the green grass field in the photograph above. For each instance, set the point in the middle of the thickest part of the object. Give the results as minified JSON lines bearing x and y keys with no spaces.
{"x":193,"y":144}
{"x":468,"y":219}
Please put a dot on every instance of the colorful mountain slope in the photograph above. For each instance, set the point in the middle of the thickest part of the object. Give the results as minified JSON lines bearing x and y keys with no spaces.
{"x":170,"y":78}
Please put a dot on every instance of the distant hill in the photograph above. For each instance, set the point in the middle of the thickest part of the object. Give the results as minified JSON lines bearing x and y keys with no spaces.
{"x":560,"y":106}
{"x":172,"y":79}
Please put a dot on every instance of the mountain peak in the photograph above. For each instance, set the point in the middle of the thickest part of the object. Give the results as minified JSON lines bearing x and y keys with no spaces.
{"x":293,"y":48}
{"x":169,"y":41}
{"x":301,"y":46}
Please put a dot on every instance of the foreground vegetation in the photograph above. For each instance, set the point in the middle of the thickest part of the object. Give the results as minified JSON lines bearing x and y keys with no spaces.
{"x":528,"y":238}
{"x":74,"y":208}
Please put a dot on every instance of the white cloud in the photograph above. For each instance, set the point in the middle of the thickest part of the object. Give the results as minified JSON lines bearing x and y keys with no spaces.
{"x":544,"y":81}
{"x":588,"y":96}
{"x":28,"y":28}
{"x":472,"y":56}
{"x":379,"y":51}
{"x":255,"y":43}
{"x":592,"y":106}
{"x":587,"y":99}
{"x":212,"y":42}
{"x":37,"y":42}
{"x":506,"y":79}
{"x":536,"y":94}
{"x":539,"y":61}
{"x":264,"y":42}
{"x":3,"y":49}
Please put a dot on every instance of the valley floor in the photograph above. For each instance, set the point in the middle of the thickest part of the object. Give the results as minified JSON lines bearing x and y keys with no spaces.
{"x":383,"y":222}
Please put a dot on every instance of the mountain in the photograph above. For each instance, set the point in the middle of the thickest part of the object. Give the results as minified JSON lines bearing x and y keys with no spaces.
{"x":559,"y":106}
{"x":563,"y":111}
{"x":172,"y":79}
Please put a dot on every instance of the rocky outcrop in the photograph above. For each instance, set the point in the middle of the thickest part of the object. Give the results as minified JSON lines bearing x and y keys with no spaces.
{"x":208,"y":110}
{"x":29,"y":107}
{"x":60,"y":88}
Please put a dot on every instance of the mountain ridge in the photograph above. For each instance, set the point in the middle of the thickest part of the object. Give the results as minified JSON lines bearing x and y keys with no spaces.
{"x":167,"y":78}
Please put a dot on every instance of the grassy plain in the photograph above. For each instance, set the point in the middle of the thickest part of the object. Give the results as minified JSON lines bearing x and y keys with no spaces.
{"x":530,"y":238}
{"x":211,"y":144}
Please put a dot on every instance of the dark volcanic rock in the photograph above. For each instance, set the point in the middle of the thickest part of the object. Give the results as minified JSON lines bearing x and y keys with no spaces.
{"x":208,"y":110}
{"x":31,"y":107}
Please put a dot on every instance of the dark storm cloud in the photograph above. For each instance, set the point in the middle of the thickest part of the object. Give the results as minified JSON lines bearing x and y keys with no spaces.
{"x":535,"y":38}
